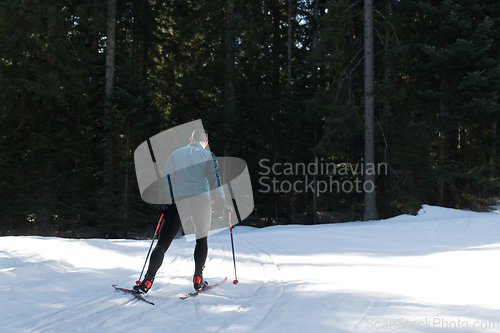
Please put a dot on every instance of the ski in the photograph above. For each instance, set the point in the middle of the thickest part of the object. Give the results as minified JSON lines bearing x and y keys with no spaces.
{"x":194,"y":293}
{"x":133,"y":293}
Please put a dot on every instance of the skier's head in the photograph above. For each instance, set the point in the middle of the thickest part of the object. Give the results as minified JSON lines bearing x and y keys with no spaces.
{"x":200,"y":136}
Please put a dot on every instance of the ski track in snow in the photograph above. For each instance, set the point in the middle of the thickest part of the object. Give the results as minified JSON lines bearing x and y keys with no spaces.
{"x":261,"y":301}
{"x":325,"y":278}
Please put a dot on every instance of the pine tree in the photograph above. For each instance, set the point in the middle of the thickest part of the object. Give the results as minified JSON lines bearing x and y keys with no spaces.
{"x":43,"y":82}
{"x":446,"y":43}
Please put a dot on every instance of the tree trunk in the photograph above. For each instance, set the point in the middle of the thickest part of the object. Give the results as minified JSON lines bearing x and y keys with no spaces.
{"x":127,"y":156}
{"x":315,"y":41}
{"x":289,"y":58}
{"x":94,"y":44}
{"x":293,"y":200}
{"x":385,"y":179}
{"x":387,"y":70}
{"x":229,"y":76}
{"x":276,"y":85}
{"x":441,"y":142}
{"x":108,"y":103}
{"x":350,"y":104}
{"x":315,"y":180}
{"x":370,"y":207}
{"x":43,"y":213}
{"x":142,"y":41}
{"x":289,"y":92}
{"x":493,"y":148}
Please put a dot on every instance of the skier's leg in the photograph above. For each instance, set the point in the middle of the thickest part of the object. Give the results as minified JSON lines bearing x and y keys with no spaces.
{"x":201,"y":215}
{"x":170,"y":227}
{"x":201,"y":220}
{"x":200,"y":254}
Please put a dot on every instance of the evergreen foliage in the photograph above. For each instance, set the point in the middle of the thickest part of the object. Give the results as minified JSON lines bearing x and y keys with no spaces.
{"x":437,"y":79}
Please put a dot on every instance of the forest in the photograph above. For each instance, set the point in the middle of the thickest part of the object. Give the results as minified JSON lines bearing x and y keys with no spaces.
{"x":342,"y":109}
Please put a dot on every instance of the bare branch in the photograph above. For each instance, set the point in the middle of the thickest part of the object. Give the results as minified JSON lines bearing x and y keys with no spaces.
{"x":393,"y":29}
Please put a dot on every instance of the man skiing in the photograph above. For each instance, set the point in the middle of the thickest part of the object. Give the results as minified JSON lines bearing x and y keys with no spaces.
{"x":191,"y":172}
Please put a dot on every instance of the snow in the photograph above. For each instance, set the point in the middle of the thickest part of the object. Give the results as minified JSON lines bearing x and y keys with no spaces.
{"x":430,"y":272}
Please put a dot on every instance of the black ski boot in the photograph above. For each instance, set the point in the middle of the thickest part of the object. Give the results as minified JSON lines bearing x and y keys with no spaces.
{"x":198,"y":281}
{"x":145,"y":284}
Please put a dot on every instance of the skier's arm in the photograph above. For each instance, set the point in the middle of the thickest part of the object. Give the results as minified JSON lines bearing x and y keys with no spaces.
{"x":212,"y":174}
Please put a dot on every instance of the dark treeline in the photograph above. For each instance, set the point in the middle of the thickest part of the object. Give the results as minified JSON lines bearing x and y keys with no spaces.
{"x":84,"y":82}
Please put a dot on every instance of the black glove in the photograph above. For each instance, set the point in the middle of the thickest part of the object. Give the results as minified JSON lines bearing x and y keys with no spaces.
{"x":225,"y":206}
{"x":162,"y":209}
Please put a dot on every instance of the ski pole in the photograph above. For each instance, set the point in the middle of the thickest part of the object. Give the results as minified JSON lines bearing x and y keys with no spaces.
{"x":152,"y":241}
{"x":235,"y":281}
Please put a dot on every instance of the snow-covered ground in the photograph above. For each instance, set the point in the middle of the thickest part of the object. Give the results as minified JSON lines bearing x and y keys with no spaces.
{"x":431,"y":272}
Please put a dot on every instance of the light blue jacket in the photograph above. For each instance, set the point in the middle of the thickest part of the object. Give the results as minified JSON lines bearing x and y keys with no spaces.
{"x":192,"y":170}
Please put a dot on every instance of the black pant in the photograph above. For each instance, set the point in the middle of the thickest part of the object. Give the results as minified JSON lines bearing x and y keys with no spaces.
{"x":200,"y":210}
